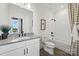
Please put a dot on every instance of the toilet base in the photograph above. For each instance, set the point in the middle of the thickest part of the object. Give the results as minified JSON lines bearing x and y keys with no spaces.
{"x":49,"y":50}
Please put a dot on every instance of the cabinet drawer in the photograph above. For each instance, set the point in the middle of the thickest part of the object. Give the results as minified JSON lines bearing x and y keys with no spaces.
{"x":16,"y":52}
{"x":9,"y":47}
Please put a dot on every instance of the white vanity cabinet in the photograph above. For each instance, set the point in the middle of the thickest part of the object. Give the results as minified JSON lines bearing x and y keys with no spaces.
{"x":24,"y":48}
{"x":16,"y":52}
{"x":33,"y":50}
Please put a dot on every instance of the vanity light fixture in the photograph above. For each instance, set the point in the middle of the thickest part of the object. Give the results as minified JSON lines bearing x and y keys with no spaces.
{"x":53,"y":19}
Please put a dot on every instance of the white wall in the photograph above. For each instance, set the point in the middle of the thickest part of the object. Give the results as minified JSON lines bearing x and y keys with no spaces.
{"x":38,"y":14}
{"x":27,"y":16}
{"x":3,"y":13}
{"x":36,"y":21}
{"x":42,"y":13}
{"x":61,"y":27}
{"x":10,"y":10}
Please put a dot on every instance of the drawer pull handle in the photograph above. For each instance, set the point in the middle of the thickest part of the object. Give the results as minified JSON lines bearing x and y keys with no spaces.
{"x":27,"y":50}
{"x":24,"y":51}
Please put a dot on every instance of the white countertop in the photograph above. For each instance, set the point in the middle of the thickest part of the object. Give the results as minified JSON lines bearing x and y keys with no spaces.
{"x":19,"y":39}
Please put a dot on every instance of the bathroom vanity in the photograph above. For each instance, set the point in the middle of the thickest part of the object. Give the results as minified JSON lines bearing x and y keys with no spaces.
{"x":23,"y":46}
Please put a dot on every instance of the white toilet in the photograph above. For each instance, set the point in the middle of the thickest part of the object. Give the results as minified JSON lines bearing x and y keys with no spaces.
{"x":48,"y":46}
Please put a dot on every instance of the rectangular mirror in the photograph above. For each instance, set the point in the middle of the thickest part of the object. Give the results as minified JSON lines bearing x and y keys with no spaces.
{"x":43,"y":24}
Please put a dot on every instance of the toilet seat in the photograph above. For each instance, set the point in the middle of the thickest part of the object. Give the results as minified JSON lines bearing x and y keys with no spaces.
{"x":50,"y":44}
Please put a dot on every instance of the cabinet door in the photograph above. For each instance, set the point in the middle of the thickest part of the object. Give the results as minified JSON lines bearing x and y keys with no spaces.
{"x":16,"y":52}
{"x":33,"y":50}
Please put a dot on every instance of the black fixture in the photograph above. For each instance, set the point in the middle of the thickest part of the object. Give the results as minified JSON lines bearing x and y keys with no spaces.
{"x":22,"y":27}
{"x":51,"y":32}
{"x":0,"y":37}
{"x":53,"y":19}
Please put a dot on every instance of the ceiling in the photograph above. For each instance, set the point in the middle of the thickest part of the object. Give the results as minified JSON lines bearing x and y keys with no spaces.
{"x":52,"y":6}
